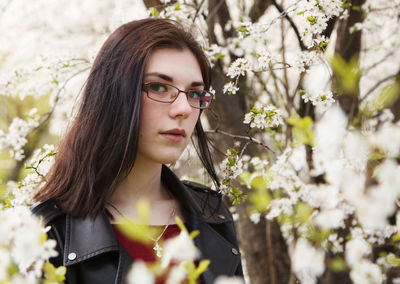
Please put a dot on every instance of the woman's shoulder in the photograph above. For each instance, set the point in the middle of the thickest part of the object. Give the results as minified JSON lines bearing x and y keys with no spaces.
{"x":47,"y":210}
{"x":215,"y":210}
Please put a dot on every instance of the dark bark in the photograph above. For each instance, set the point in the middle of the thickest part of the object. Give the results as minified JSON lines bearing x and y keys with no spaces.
{"x":348,"y":46}
{"x":258,"y":9}
{"x":292,"y":24}
{"x":152,"y":3}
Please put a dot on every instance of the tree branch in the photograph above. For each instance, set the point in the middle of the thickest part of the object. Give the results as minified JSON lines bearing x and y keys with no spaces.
{"x":248,"y":138}
{"x":258,"y":9}
{"x":377,"y":84}
{"x":292,"y":24}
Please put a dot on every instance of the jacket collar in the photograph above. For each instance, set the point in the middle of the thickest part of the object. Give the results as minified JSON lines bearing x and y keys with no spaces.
{"x":87,"y":238}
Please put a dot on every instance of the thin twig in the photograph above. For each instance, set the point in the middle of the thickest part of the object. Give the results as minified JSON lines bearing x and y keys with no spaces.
{"x":215,"y":10}
{"x":292,"y":24}
{"x":271,"y":256}
{"x":373,"y":65}
{"x":243,"y":149}
{"x":50,"y":113}
{"x":248,"y":138}
{"x":377,"y":84}
{"x":197,"y":11}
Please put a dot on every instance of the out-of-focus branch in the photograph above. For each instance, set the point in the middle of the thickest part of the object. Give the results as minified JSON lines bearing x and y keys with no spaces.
{"x":198,"y":8}
{"x":380,"y":61}
{"x":292,"y":24}
{"x":377,"y":84}
{"x":152,"y":3}
{"x":258,"y":9}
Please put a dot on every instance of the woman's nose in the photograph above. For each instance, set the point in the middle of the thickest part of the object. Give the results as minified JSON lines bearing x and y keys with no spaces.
{"x":181,"y":106}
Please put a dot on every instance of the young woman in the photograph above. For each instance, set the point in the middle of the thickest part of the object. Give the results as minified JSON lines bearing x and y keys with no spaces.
{"x":141,"y":104}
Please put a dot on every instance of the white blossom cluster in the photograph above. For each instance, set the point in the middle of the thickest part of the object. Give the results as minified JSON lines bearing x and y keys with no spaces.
{"x":179,"y":250}
{"x":264,"y":58}
{"x":314,"y":16}
{"x":40,"y":79}
{"x":231,"y":166}
{"x":362,"y":269}
{"x":230,"y":88}
{"x":22,"y":243}
{"x":263,"y":117}
{"x":23,"y":192}
{"x":304,"y":60}
{"x":323,"y":100}
{"x":15,"y":139}
{"x":238,"y":68}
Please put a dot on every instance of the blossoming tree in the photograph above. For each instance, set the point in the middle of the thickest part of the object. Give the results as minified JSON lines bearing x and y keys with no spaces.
{"x":305,"y":126}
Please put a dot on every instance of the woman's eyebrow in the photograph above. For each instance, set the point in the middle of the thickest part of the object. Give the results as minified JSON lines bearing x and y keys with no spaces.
{"x":170,"y":79}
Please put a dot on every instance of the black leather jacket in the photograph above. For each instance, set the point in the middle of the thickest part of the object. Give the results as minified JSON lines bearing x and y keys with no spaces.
{"x":91,"y":253}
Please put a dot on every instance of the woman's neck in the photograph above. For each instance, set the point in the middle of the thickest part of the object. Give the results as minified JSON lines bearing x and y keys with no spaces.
{"x":143,"y":182}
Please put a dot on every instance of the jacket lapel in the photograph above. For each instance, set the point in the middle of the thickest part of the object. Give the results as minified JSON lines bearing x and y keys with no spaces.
{"x":86,"y":238}
{"x":224,"y":256}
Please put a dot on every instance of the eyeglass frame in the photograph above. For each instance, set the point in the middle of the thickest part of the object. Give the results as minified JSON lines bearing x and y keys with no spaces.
{"x":144,"y":85}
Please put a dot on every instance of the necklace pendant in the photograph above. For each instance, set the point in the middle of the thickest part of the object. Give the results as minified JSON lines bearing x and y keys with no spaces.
{"x":158,"y":249}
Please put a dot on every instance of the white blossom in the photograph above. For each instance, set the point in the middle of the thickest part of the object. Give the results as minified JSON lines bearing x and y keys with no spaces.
{"x":366,"y":272}
{"x":21,"y":233}
{"x":228,"y":280}
{"x":263,"y":117}
{"x":139,"y":273}
{"x":238,"y":68}
{"x":180,"y":248}
{"x":230,"y":88}
{"x":176,"y":275}
{"x":307,"y":261}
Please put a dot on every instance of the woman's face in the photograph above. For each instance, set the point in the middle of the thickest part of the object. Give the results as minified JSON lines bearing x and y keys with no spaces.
{"x":165,"y":128}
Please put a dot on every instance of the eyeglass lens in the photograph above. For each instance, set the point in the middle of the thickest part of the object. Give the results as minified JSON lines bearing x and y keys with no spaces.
{"x":167,"y":93}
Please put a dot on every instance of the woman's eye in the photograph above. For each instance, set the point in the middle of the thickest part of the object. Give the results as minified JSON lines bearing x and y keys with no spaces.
{"x":194,"y":94}
{"x":158,"y":87}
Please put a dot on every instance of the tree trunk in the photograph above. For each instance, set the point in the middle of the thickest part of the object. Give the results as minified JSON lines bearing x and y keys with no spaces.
{"x":348,"y":46}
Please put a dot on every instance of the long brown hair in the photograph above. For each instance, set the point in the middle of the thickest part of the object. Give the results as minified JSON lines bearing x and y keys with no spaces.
{"x":99,"y":149}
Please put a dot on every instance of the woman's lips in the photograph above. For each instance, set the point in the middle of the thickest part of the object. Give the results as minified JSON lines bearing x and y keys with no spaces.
{"x":174,"y":135}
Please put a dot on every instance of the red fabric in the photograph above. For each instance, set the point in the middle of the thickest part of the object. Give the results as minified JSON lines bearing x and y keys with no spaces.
{"x":145,"y":252}
{"x":140,"y":251}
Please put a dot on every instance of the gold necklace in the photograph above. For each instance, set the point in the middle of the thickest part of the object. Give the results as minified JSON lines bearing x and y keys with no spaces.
{"x":157,"y":248}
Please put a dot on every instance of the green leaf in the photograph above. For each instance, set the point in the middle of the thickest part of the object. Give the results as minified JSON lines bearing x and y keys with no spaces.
{"x":154,"y":12}
{"x":54,"y":275}
{"x":302,"y":129}
{"x":203,"y":265}
{"x":393,"y":260}
{"x":337,"y":264}
{"x":396,"y":238}
{"x":138,"y":232}
{"x":260,"y":200}
{"x":12,"y":269}
{"x":303,"y":212}
{"x":180,"y":224}
{"x":386,"y":97}
{"x":348,"y":73}
{"x":177,"y":6}
{"x":194,"y":234}
{"x":311,"y":20}
{"x":259,"y":183}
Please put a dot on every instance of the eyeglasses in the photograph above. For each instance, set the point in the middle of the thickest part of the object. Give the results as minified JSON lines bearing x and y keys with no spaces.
{"x":165,"y":93}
